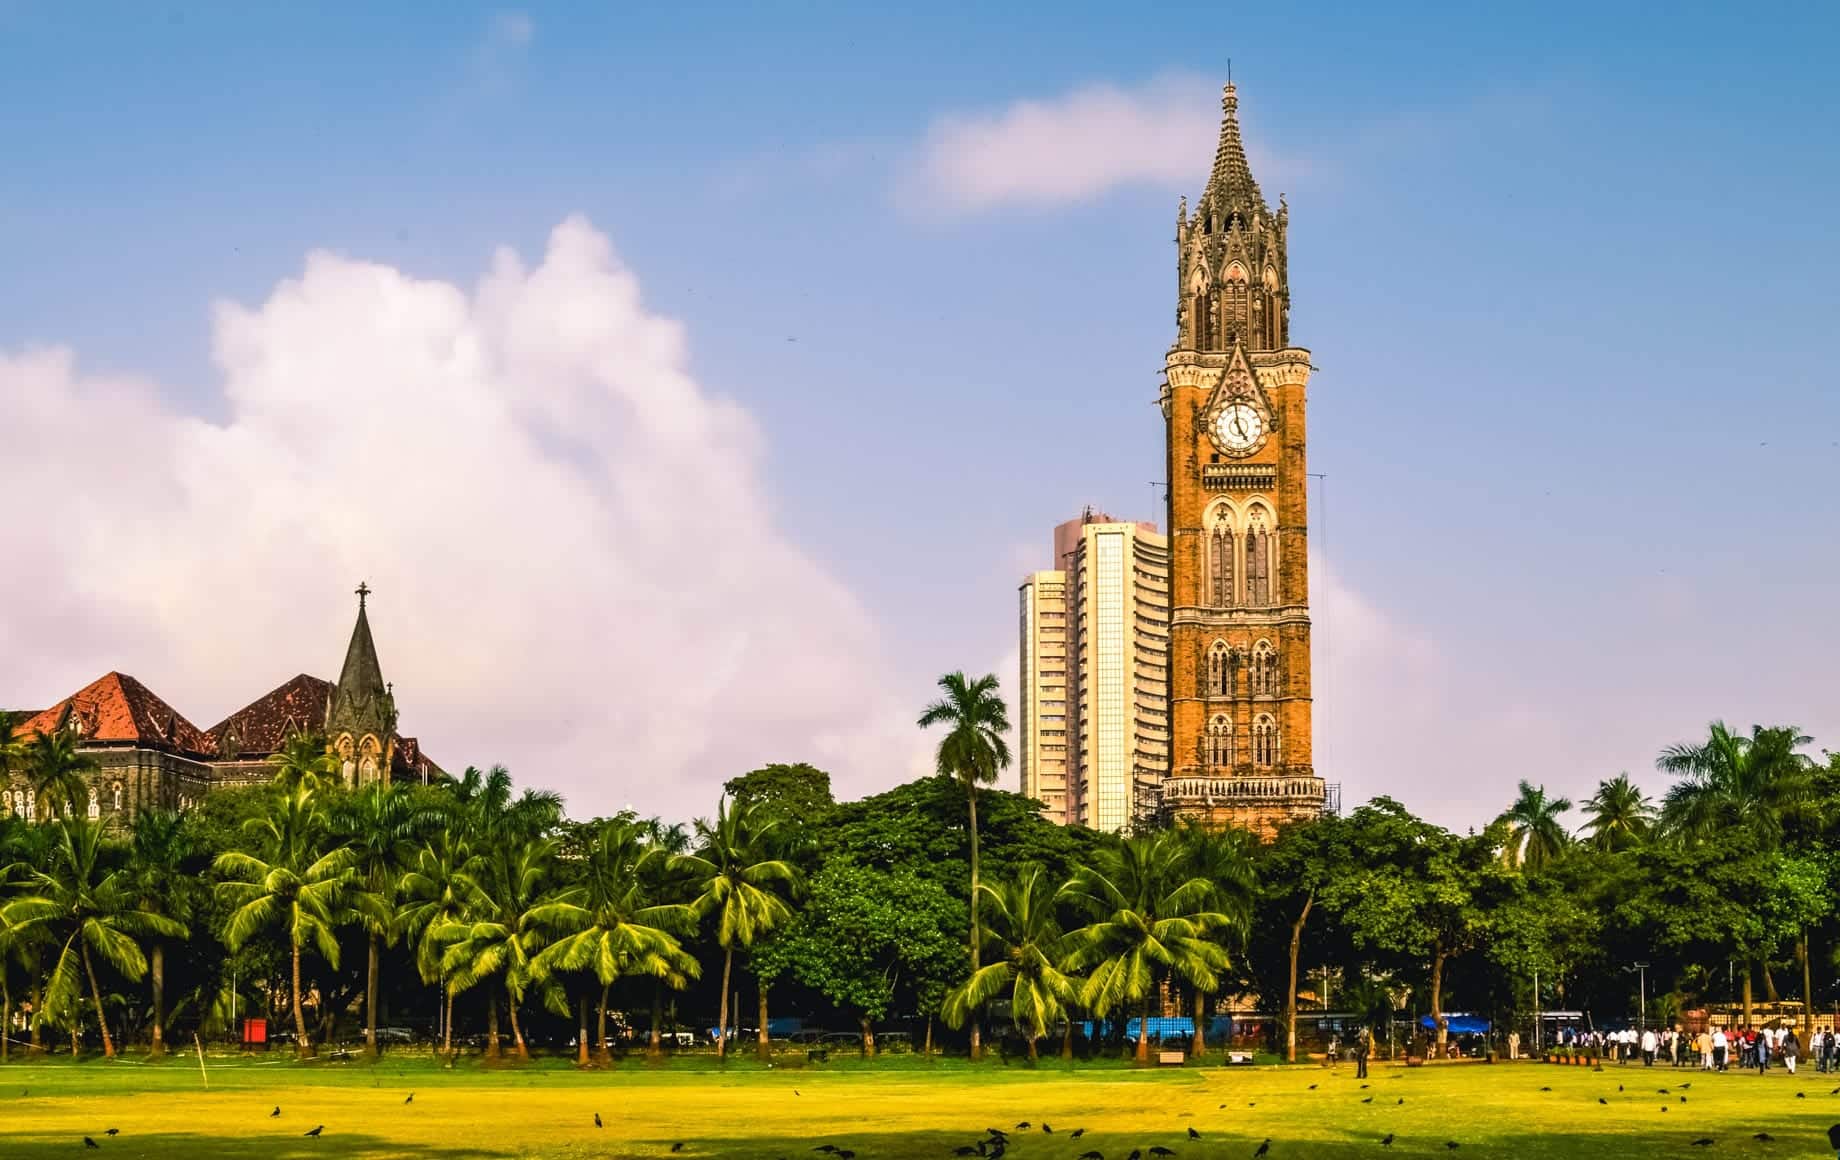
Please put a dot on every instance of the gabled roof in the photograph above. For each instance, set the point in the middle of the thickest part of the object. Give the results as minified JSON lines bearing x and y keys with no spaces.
{"x":117,"y":709}
{"x":260,"y":727}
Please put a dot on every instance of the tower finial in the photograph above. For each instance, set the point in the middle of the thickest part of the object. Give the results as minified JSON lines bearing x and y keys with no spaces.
{"x":363,"y":591}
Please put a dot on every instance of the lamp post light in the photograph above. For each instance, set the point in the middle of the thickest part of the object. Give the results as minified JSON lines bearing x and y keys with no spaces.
{"x":1641,"y":970}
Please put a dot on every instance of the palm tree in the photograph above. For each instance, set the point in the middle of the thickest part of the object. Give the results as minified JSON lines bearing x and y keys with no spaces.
{"x":379,"y":824}
{"x":298,"y":880}
{"x":55,"y":767}
{"x":975,"y":752}
{"x":1021,"y":919}
{"x":12,"y":746}
{"x":737,"y":881}
{"x":1618,"y":815}
{"x":305,"y":760}
{"x":1759,"y":784}
{"x":608,"y":926}
{"x":23,"y":849}
{"x":440,"y":891}
{"x":1222,"y":858}
{"x":87,"y":906}
{"x":160,"y":845}
{"x":1150,"y":915}
{"x":1535,"y":835}
{"x":501,"y":938}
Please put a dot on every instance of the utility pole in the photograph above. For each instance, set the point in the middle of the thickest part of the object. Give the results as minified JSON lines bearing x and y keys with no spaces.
{"x":1536,"y":1012}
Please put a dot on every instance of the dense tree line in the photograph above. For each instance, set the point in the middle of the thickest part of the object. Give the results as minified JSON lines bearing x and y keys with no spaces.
{"x":482,"y":914}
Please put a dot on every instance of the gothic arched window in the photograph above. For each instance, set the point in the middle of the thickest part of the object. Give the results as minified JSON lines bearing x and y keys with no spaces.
{"x":95,"y":804}
{"x":118,"y":797}
{"x":1258,"y":561}
{"x":1220,"y":564}
{"x":1264,"y":669}
{"x":1264,"y":740}
{"x":1199,"y":320}
{"x":1220,"y":741}
{"x":1220,"y":670}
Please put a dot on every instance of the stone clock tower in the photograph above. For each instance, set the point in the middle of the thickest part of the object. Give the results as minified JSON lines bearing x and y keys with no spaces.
{"x":1239,"y":602}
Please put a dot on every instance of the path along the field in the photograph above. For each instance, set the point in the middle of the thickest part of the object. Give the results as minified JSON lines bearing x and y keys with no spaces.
{"x":894,"y":1112}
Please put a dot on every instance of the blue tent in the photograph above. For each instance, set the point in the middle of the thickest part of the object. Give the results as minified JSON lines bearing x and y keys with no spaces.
{"x":1458,"y":1024}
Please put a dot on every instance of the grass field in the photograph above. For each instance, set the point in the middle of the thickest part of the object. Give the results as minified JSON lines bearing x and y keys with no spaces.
{"x":898,"y":1109}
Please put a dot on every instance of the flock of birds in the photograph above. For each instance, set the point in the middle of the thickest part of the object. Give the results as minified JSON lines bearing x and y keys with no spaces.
{"x":996,"y":1142}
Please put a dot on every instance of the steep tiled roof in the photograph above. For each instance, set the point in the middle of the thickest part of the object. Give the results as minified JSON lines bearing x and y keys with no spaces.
{"x":259,"y":728}
{"x":118,"y":708}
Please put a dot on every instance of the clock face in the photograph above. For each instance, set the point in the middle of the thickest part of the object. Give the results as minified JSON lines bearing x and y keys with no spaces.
{"x":1239,"y":427}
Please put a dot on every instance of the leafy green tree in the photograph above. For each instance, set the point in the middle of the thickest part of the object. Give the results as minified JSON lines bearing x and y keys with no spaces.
{"x":304,"y":760}
{"x":87,"y":905}
{"x":1151,"y":917}
{"x":974,"y":752}
{"x":56,"y":768}
{"x":1800,"y":896}
{"x":1535,"y":836}
{"x":379,"y":824}
{"x":1618,"y":815}
{"x":297,"y":880}
{"x":1303,"y":861}
{"x":740,"y":884}
{"x":608,"y":926}
{"x":791,"y":794}
{"x":502,"y":938}
{"x":1020,"y":920}
{"x":160,"y":880}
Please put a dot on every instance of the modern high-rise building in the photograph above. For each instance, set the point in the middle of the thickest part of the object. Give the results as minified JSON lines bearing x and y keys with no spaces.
{"x":1095,"y":656}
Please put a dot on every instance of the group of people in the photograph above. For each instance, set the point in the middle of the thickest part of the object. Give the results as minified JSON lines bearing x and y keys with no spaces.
{"x":1714,"y":1049}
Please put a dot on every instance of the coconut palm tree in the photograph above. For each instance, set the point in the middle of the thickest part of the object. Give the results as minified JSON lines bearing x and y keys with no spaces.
{"x":1224,"y":859}
{"x":740,"y":884}
{"x":974,"y":752}
{"x":1618,"y":816}
{"x":1758,"y":784}
{"x":607,"y":925}
{"x":159,"y":850}
{"x":441,"y":890}
{"x":304,"y":760}
{"x":1020,"y":919}
{"x":501,"y":937}
{"x":1151,"y":917}
{"x":23,"y":849}
{"x":56,"y":769}
{"x":379,"y":824}
{"x":298,"y":880}
{"x":86,"y":904}
{"x":1535,"y":834}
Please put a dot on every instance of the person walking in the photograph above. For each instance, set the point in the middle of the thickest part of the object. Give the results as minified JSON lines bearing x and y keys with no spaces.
{"x":1702,"y":1043}
{"x":1721,"y":1046}
{"x":1648,"y":1047}
{"x":1763,"y":1051}
{"x":1363,"y":1044}
{"x":1791,"y":1049}
{"x":1514,"y":1045}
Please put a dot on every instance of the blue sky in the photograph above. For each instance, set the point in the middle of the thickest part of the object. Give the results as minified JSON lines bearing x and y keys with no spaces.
{"x":1565,"y":271}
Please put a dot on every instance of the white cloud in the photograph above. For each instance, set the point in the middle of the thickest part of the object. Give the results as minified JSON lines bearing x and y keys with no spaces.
{"x":1077,"y":146}
{"x":576,"y":569}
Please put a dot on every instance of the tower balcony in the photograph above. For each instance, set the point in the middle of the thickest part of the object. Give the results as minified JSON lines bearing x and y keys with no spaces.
{"x":1290,"y":790}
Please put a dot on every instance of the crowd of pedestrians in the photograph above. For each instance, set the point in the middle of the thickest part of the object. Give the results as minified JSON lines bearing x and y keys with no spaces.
{"x":1713,"y":1049}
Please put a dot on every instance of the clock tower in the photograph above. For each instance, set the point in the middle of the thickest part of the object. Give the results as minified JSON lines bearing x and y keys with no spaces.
{"x":1239,"y":601}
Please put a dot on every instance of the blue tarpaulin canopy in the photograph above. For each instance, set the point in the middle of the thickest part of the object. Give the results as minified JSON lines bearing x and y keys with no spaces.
{"x":1460,"y":1024}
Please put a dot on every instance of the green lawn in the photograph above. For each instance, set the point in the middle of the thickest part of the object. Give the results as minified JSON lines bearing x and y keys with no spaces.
{"x":897,"y":1109}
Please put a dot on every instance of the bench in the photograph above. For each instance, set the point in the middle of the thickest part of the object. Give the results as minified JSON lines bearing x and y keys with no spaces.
{"x":1175,"y":1058}
{"x":1238,"y":1058}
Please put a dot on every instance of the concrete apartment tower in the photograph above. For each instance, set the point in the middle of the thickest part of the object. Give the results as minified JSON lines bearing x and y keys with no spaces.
{"x":1095,"y":655}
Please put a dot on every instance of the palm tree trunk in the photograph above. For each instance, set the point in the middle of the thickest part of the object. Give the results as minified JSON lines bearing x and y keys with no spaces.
{"x":977,"y":1046}
{"x":1143,"y":1032}
{"x":370,"y":997}
{"x":1290,"y":993}
{"x":728,"y":965}
{"x":35,"y":1035}
{"x":581,"y":1030}
{"x":102,"y":1021}
{"x":517,"y":1033}
{"x":156,"y":968}
{"x":1034,"y":1055}
{"x":601,"y":1050}
{"x":926,"y":1050}
{"x":1747,"y":993}
{"x":491,"y":1024}
{"x":6,"y":1012}
{"x":1801,"y":953}
{"x":447,"y":1024}
{"x":1067,"y":1039}
{"x":766,"y":1042}
{"x":1437,"y":994}
{"x":1200,"y":1045}
{"x":654,"y":1043}
{"x":302,"y":1046}
{"x":868,"y":1036}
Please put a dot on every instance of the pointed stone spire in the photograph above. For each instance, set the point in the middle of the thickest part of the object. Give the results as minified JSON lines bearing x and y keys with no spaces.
{"x":362,"y":676}
{"x":1230,"y":185}
{"x":361,"y":718}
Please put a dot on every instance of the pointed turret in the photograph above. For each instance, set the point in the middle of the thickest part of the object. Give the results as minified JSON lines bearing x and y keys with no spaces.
{"x":1230,"y":185}
{"x":361,"y":719}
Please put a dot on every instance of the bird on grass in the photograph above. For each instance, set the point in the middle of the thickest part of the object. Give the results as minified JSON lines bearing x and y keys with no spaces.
{"x":965,"y":1150}
{"x":1683,"y":1099}
{"x":1619,"y":1087}
{"x":1801,"y":1095}
{"x":1047,"y":1130}
{"x":1402,"y":1100}
{"x":410,"y":1098}
{"x":112,"y":1132}
{"x":1092,"y":1156}
{"x":819,"y":1148}
{"x":1368,"y":1100}
{"x":1452,"y":1145}
{"x":1023,"y":1126}
{"x":315,"y":1131}
{"x":1159,"y":1151}
{"x":1685,"y":1086}
{"x":1664,"y":1107}
{"x":597,"y":1120}
{"x":1312,"y":1087}
{"x":1252,"y":1103}
{"x":276,"y":1112}
{"x":1135,"y":1155}
{"x":89,"y":1143}
{"x":1704,"y":1142}
{"x":1193,"y":1135}
{"x":1603,"y":1101}
{"x":1367,"y":1085}
{"x":845,"y":1154}
{"x":1764,"y":1138}
{"x":677,"y":1146}
{"x":1263,"y":1150}
{"x":998,"y":1133}
{"x":1386,"y":1141}
{"x":1076,"y":1133}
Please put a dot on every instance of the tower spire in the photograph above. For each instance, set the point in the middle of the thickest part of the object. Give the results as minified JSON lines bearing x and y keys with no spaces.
{"x":1231,"y":184}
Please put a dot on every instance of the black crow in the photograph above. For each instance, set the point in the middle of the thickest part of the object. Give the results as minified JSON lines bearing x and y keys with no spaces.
{"x":1023,"y":1126}
{"x":966,"y":1150}
{"x":1704,"y":1142}
{"x":1368,"y":1100}
{"x":1312,"y":1087}
{"x":1764,"y":1138}
{"x":1685,"y":1086}
{"x":315,"y":1131}
{"x":1160,"y":1151}
{"x":410,"y":1098}
{"x":1263,"y":1150}
{"x":1801,"y":1095}
{"x":112,"y":1132}
{"x":1386,"y":1141}
{"x":1602,"y":1100}
{"x":1135,"y":1155}
{"x":276,"y":1112}
{"x":845,"y":1154}
{"x":1076,"y":1133}
{"x":1402,"y":1100}
{"x":1452,"y":1145}
{"x":1193,"y":1135}
{"x":89,"y":1143}
{"x":1092,"y":1156}
{"x":677,"y":1146}
{"x":597,"y":1120}
{"x":1045,"y":1128}
{"x":1619,"y":1087}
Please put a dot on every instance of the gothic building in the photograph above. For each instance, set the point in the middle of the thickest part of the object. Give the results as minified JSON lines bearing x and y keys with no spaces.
{"x":1233,"y":407}
{"x":148,"y":756}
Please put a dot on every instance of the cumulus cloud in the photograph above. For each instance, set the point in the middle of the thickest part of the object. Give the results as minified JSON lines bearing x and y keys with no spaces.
{"x":577,"y":569}
{"x":1075,"y":147}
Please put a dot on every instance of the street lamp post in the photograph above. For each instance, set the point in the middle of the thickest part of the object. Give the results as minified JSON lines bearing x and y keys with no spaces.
{"x":1641,"y":970}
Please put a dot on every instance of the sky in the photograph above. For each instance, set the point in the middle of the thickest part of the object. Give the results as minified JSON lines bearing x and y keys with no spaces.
{"x":695,"y":383}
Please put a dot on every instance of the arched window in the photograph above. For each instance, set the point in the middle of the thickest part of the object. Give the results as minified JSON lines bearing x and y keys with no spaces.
{"x":117,"y":788}
{"x":6,"y":802}
{"x":1220,"y":670}
{"x":1258,"y":561}
{"x":1264,"y":669}
{"x":95,"y":804}
{"x":1220,"y":562}
{"x":1264,"y":741}
{"x":1198,"y":320}
{"x":1220,"y":742}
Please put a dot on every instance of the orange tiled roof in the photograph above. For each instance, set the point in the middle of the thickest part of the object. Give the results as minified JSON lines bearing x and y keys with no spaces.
{"x":259,"y":728}
{"x":118,"y":708}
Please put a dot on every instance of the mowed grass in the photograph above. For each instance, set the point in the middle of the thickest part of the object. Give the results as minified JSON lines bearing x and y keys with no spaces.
{"x":890,"y":1112}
